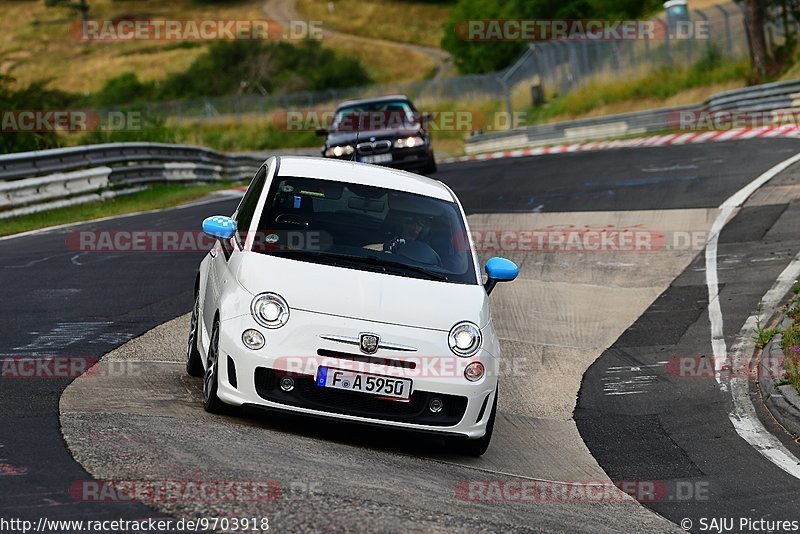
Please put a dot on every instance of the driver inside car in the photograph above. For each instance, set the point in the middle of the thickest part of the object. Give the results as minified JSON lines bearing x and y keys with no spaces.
{"x":410,"y":227}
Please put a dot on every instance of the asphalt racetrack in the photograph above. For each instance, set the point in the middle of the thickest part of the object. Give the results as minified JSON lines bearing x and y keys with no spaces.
{"x":568,"y":324}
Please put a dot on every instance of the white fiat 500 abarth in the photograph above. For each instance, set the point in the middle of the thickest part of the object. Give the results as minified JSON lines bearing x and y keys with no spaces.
{"x":352,"y":292}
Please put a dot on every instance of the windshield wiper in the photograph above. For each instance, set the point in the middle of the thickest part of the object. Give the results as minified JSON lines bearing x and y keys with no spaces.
{"x":413,"y":268}
{"x":371,"y":261}
{"x":319,"y":254}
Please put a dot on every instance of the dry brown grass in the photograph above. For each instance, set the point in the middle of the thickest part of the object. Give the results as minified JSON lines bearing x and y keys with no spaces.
{"x":385,"y":63}
{"x":35,"y":44}
{"x":406,"y":22}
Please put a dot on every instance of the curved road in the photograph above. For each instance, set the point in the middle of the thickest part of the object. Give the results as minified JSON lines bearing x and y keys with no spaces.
{"x":564,"y":312}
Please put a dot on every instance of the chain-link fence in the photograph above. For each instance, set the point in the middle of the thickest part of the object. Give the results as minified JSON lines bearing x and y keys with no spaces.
{"x":555,"y":66}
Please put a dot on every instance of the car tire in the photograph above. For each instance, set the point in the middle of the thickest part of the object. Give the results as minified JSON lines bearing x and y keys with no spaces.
{"x":211,"y":401}
{"x":430,"y":168}
{"x":194,"y":363}
{"x":475,"y":447}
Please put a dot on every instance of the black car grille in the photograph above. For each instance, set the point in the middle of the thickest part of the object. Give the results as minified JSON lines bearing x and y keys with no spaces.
{"x":374,"y":147}
{"x":307,"y":394}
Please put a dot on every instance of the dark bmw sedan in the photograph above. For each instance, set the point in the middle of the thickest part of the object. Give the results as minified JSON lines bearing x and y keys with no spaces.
{"x":385,"y":131}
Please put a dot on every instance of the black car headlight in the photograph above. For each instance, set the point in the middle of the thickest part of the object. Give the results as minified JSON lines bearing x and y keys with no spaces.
{"x":409,"y":142}
{"x":339,"y":151}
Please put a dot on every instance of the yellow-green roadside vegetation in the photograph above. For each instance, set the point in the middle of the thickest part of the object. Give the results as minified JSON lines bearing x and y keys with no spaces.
{"x":157,"y":196}
{"x":665,"y":86}
{"x":409,"y":21}
{"x":790,"y":342}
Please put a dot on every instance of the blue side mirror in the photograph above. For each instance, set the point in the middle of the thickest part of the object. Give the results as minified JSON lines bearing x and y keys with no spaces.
{"x":499,"y":270}
{"x":219,"y":226}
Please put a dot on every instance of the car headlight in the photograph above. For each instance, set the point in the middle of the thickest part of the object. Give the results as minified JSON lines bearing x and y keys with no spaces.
{"x":270,"y":310}
{"x":339,"y":151}
{"x":465,"y":339}
{"x":409,"y":142}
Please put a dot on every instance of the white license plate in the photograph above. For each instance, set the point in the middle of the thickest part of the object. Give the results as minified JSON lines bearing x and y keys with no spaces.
{"x":377,"y":158}
{"x":383,"y":386}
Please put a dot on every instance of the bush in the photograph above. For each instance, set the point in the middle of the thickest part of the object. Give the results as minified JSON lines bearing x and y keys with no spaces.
{"x":230,"y":66}
{"x":33,"y":97}
{"x":124,"y":89}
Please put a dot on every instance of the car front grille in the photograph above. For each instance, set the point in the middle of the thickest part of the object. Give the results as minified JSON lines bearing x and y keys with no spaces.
{"x":374,"y":147}
{"x":307,"y":394}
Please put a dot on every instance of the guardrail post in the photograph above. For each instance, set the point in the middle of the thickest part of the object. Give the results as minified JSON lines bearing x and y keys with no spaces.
{"x":708,"y":25}
{"x":585,"y":55}
{"x":728,"y":37}
{"x":744,"y":28}
{"x":667,"y":46}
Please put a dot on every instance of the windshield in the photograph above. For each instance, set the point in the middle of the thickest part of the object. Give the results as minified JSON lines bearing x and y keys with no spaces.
{"x":365,"y":227}
{"x":381,"y":115}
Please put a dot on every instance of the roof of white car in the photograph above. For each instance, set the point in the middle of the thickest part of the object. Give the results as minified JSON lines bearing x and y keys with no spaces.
{"x":363,"y":174}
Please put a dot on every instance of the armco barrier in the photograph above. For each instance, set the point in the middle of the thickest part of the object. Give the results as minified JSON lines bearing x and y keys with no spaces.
{"x":759,"y":98}
{"x":27,"y":191}
{"x":38,"y":180}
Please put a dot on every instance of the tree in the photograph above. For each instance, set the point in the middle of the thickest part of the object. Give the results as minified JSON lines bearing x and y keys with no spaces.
{"x":754,"y":20}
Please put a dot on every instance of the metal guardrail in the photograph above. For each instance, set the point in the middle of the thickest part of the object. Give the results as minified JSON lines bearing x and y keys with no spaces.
{"x":760,"y":98}
{"x":766,"y":97}
{"x":576,"y":131}
{"x":39,"y":180}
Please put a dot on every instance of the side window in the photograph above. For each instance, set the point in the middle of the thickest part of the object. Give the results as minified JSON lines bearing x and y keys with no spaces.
{"x":247,"y":207}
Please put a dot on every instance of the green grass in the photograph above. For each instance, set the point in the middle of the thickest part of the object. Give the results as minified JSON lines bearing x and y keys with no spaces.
{"x":764,"y":336}
{"x":158,"y":196}
{"x":659,"y":84}
{"x":791,"y":355}
{"x":245,"y":135}
{"x":790,"y":342}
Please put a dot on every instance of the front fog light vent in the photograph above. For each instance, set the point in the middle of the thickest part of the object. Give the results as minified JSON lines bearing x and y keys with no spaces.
{"x":436,"y":405}
{"x":287,"y":384}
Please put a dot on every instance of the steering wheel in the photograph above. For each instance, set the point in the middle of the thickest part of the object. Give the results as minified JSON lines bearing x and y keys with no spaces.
{"x":418,"y":251}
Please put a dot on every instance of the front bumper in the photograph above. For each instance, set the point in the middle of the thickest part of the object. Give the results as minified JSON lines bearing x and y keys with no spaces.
{"x":248,"y":377}
{"x":402,"y":158}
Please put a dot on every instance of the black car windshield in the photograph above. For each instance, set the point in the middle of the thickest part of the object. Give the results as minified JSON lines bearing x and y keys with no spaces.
{"x":380,"y":115}
{"x":365,"y":227}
